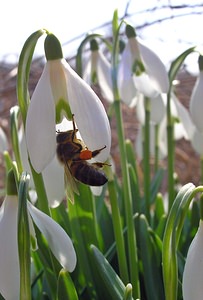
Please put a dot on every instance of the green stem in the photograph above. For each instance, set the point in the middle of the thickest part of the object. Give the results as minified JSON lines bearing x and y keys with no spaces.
{"x":131,"y":235}
{"x":201,"y":170}
{"x":147,"y":158}
{"x":42,"y":202}
{"x":170,"y":144}
{"x":156,"y":159}
{"x":119,"y":238}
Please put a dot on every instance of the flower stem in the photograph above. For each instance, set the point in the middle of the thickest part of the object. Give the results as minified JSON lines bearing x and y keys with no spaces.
{"x":156,"y":159}
{"x":118,"y":233}
{"x":170,"y":140}
{"x":147,"y":158}
{"x":131,"y":235}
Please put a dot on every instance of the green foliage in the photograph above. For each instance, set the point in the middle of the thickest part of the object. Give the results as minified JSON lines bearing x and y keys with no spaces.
{"x":128,"y":244}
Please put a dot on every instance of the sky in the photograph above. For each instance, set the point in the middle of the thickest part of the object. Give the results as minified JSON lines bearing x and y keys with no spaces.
{"x":68,"y":19}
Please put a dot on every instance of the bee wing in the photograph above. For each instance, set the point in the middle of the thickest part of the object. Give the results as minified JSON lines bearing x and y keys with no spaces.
{"x":70,"y":184}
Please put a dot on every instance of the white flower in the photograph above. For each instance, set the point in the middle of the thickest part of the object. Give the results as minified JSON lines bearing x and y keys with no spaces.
{"x":99,"y":65}
{"x":197,"y":141}
{"x":157,"y":109}
{"x":140,"y":70}
{"x":192,"y":284}
{"x":3,"y":141}
{"x":196,"y":101}
{"x":53,"y":176}
{"x":59,"y":243}
{"x":59,"y":90}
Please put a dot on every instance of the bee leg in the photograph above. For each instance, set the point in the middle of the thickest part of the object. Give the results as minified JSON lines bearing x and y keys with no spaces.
{"x":96,"y":152}
{"x":74,"y":127}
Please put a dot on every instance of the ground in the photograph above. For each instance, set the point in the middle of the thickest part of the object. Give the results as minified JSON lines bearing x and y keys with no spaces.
{"x":187,"y":163}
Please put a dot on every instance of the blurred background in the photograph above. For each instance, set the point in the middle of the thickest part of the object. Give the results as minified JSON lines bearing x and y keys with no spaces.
{"x":168,"y":27}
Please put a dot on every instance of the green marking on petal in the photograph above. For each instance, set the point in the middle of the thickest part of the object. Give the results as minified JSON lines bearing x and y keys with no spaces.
{"x":63,"y":108}
{"x":138,"y":67}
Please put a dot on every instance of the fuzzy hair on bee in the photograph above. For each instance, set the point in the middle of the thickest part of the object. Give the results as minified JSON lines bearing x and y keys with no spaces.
{"x":73,"y":154}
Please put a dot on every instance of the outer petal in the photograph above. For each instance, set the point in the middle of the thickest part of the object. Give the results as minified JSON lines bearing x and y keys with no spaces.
{"x":196,"y":103}
{"x":40,"y":124}
{"x":197,"y":141}
{"x":90,"y":115}
{"x":154,"y":68}
{"x":126,"y":84}
{"x":53,"y":176}
{"x":58,"y":240}
{"x":104,"y":76}
{"x":3,"y":141}
{"x":185,"y":118}
{"x":193,"y":272}
{"x":9,"y":263}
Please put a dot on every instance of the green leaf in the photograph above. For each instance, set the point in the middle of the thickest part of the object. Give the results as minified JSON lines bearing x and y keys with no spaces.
{"x":24,"y":239}
{"x":150,"y":252}
{"x":171,"y":237}
{"x":65,"y":288}
{"x":110,"y":283}
{"x":176,"y":64}
{"x":24,"y":71}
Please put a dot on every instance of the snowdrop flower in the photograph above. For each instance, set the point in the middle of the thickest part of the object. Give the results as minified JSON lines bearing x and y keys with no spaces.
{"x":196,"y":103}
{"x":53,"y":176}
{"x":157,"y":109}
{"x":193,"y":272}
{"x":98,"y":66}
{"x":59,"y":242}
{"x":140,"y":70}
{"x":197,"y":141}
{"x":3,"y":141}
{"x":61,"y":92}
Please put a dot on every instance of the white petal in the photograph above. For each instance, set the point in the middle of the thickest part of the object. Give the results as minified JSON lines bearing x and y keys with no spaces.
{"x":154,"y":68}
{"x":193,"y":272}
{"x":96,"y":190}
{"x":144,"y":85}
{"x":90,"y":115}
{"x":9,"y":263}
{"x":185,"y":118}
{"x":40,"y":124}
{"x":197,"y":141}
{"x":58,"y":240}
{"x":104,"y":77}
{"x":53,"y":176}
{"x":128,"y":91}
{"x":3,"y":141}
{"x":196,"y":103}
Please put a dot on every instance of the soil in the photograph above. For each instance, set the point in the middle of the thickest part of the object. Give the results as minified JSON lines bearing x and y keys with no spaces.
{"x":187,"y":162}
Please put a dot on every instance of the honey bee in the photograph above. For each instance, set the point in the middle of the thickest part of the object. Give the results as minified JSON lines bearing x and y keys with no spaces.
{"x":73,"y":154}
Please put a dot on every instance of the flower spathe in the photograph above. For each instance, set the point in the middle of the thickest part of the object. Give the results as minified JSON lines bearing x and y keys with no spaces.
{"x":59,"y":243}
{"x":193,"y":272}
{"x":60,"y":92}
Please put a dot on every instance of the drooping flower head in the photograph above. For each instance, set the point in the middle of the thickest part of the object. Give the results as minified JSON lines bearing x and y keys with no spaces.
{"x":98,"y":70}
{"x":61,"y":92}
{"x":140,"y":70}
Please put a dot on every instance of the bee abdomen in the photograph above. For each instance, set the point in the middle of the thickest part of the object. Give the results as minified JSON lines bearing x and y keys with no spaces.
{"x":87,"y":174}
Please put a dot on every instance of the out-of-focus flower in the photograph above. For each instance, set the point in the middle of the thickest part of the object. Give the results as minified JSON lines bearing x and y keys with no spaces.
{"x":61,"y":92}
{"x":3,"y":141}
{"x":98,"y":70}
{"x":140,"y":70}
{"x":196,"y":102}
{"x":183,"y":125}
{"x":59,"y":243}
{"x":193,"y":272}
{"x":197,"y":141}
